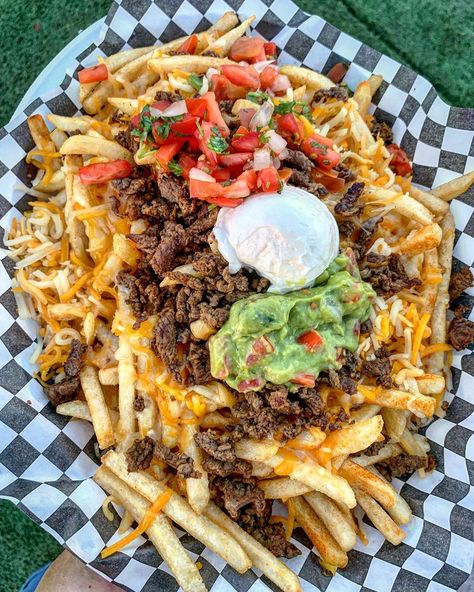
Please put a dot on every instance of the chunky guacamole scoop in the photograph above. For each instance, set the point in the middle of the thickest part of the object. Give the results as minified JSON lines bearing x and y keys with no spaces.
{"x":289,"y":339}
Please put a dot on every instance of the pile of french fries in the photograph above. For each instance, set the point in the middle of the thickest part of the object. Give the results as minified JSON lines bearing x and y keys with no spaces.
{"x":69,"y":248}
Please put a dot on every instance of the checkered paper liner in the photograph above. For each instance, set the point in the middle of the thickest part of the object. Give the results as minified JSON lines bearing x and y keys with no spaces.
{"x":47,"y":461}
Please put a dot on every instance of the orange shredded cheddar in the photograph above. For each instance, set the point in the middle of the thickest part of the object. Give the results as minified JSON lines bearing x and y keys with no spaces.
{"x":76,"y":287}
{"x":435,"y":347}
{"x":419,"y":336}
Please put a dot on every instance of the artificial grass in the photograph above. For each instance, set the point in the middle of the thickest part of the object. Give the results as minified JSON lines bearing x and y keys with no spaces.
{"x":434,"y":38}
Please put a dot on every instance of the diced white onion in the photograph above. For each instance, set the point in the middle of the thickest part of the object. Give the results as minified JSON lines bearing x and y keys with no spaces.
{"x":281,"y":83}
{"x":262,"y":116}
{"x":178,"y":108}
{"x":260,"y":66}
{"x":276,"y":162}
{"x":199,"y":175}
{"x":245,"y":116}
{"x":205,"y":86}
{"x":210,"y":73}
{"x":284,"y":154}
{"x":261,"y":159}
{"x":276,"y":142}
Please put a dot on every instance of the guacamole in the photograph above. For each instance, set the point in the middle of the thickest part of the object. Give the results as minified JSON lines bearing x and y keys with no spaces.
{"x":289,"y":339}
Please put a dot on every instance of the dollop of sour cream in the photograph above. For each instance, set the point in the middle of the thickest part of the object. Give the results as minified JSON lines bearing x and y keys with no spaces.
{"x":289,"y":238}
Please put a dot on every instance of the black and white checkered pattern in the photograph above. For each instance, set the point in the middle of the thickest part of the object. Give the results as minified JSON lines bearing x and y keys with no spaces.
{"x":46,"y":461}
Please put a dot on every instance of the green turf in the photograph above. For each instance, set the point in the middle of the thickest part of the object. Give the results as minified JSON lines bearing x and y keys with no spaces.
{"x":433,"y":37}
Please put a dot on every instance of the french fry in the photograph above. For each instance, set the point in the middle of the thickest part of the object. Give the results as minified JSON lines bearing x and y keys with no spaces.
{"x":311,"y":79}
{"x":363,"y":97}
{"x":362,"y":478}
{"x":55,"y":184}
{"x":414,"y":444}
{"x":335,"y":520}
{"x":126,"y":379}
{"x":364,"y":412}
{"x":355,"y":437}
{"x":95,"y":146}
{"x":283,"y":487}
{"x":261,"y":470}
{"x":125,"y":105}
{"x":425,"y":238}
{"x":431,"y":384}
{"x":181,"y":512}
{"x":66,"y":311}
{"x":71,"y":124}
{"x":189,"y":63}
{"x":109,"y":376}
{"x":58,"y":137}
{"x":261,"y":557}
{"x":430,"y":291}
{"x":125,"y":249}
{"x":216,"y":420}
{"x":98,"y":409}
{"x":454,"y":188}
{"x":77,"y":409}
{"x":379,"y":517}
{"x":131,"y":70}
{"x":395,"y":422}
{"x":160,"y":532}
{"x":413,"y":210}
{"x":374,"y":81}
{"x":222,"y":46}
{"x":434,"y":204}
{"x":435,"y":362}
{"x":256,"y":450}
{"x":401,"y":511}
{"x":384,"y":453}
{"x":198,"y":493}
{"x":319,"y":535}
{"x":396,"y":399}
{"x":40,"y":134}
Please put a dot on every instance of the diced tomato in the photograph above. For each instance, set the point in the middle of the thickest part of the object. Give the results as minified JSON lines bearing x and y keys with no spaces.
{"x":221,"y":175}
{"x":247,"y":49}
{"x":400,"y":162}
{"x":246,"y":143}
{"x":193,"y":142}
{"x":207,"y":132}
{"x":204,"y":165}
{"x":186,"y":163}
{"x":337,"y":72}
{"x":155,"y":130}
{"x":224,"y":202}
{"x":186,"y":126}
{"x":250,"y":177}
{"x":161,"y":105}
{"x":270,"y":49}
{"x":310,"y":339}
{"x":245,"y":76}
{"x":238,"y":159}
{"x":285,"y":174}
{"x":304,"y":380}
{"x":135,"y":120}
{"x":267,"y":76}
{"x":93,"y":74}
{"x":214,"y":114}
{"x":102,"y":172}
{"x":320,"y":152}
{"x":196,"y":107}
{"x":189,"y":46}
{"x":237,"y":189}
{"x":290,"y":128}
{"x":205,"y":190}
{"x":333,"y":183}
{"x":166,"y":152}
{"x":268,"y":180}
{"x":224,"y":89}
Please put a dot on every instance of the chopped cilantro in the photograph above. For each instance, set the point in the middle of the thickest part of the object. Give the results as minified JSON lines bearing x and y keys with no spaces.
{"x":257,"y":97}
{"x":211,"y":207}
{"x":284,"y":107}
{"x":175,"y":168}
{"x":163,"y":130}
{"x":263,"y":137}
{"x":216,"y":142}
{"x":144,"y":125}
{"x":201,"y":131}
{"x":195,"y":81}
{"x":226,"y":183}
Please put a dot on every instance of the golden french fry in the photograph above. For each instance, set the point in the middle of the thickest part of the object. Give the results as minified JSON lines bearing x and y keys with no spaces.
{"x":413,"y":210}
{"x":414,"y":444}
{"x":131,"y":70}
{"x":77,"y":409}
{"x":311,"y":79}
{"x":319,"y":535}
{"x":355,"y":437}
{"x":307,"y":439}
{"x":125,"y":105}
{"x":181,"y":512}
{"x":364,"y":412}
{"x":256,"y":450}
{"x":126,"y":380}
{"x":125,"y":249}
{"x":71,"y":124}
{"x":66,"y":311}
{"x":222,"y":46}
{"x":434,"y":204}
{"x":201,"y":330}
{"x":58,"y":137}
{"x":95,"y":146}
{"x":189,"y":63}
{"x":77,"y":234}
{"x":374,"y":81}
{"x":395,"y":422}
{"x":215,"y":420}
{"x":198,"y":493}
{"x":55,"y":184}
{"x":283,"y":487}
{"x":431,"y":384}
{"x":40,"y":134}
{"x":401,"y":511}
{"x":98,"y":409}
{"x":335,"y":520}
{"x":261,"y":470}
{"x":363,"y":97}
{"x":261,"y":557}
{"x":425,"y":238}
{"x":160,"y":532}
{"x":384,"y":453}
{"x":379,"y":517}
{"x":454,"y":188}
{"x":361,"y":477}
{"x":109,"y":376}
{"x":395,"y":399}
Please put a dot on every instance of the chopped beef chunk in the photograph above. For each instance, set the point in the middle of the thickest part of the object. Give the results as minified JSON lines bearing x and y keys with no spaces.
{"x":131,"y":193}
{"x":303,"y":179}
{"x":380,"y":129}
{"x":174,"y":190}
{"x":162,"y":95}
{"x":374,"y":448}
{"x":405,"y":464}
{"x":366,"y":326}
{"x":173,"y":239}
{"x":147,"y":241}
{"x":380,"y":368}
{"x":226,"y":106}
{"x":140,"y":454}
{"x":461,"y":330}
{"x":165,"y":340}
{"x":68,"y":389}
{"x":346,"y":377}
{"x":211,"y":54}
{"x":273,"y":537}
{"x":198,"y":362}
{"x":138,"y":403}
{"x":344,"y":172}
{"x":183,"y":463}
{"x":219,"y":446}
{"x":233,"y":493}
{"x":125,"y":139}
{"x":347,"y":205}
{"x":335,"y":92}
{"x":63,"y":392}
{"x":346,"y":229}
{"x":299,"y":160}
{"x":73,"y":364}
{"x":460,"y":280}
{"x":387,"y":274}
{"x":225,"y":468}
{"x":366,"y":232}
